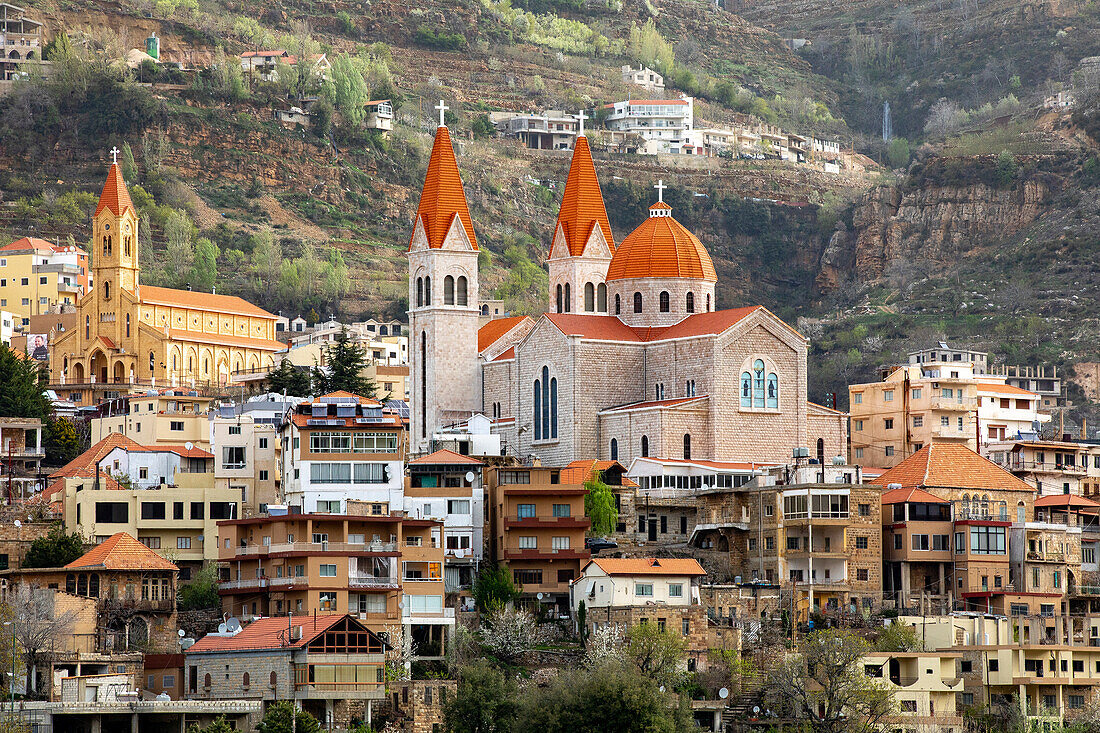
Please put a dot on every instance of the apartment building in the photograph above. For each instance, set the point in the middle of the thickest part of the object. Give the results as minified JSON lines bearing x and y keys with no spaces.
{"x":917,"y":560}
{"x":20,"y":40}
{"x":21,"y":460}
{"x":1043,"y":380}
{"x":331,"y":665}
{"x":941,"y":353}
{"x":447,"y":486}
{"x":663,"y":125}
{"x":537,"y":526}
{"x":342,"y":446}
{"x":247,"y":457}
{"x":1051,"y":467}
{"x":156,"y":417}
{"x":386,"y":569}
{"x":36,"y":275}
{"x":814,"y":527}
{"x":551,"y":130}
{"x":926,"y":686}
{"x":643,"y":76}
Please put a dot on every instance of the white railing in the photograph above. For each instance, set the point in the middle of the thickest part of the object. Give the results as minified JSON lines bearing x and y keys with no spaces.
{"x":371,"y":581}
{"x":316,"y":546}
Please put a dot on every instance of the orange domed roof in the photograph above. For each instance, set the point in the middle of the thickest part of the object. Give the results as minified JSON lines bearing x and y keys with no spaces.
{"x":661,"y":247}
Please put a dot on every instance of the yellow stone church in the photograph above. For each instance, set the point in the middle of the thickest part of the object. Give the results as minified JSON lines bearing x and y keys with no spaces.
{"x":131,"y":336}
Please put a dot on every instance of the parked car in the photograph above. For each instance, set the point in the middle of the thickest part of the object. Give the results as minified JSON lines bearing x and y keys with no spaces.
{"x":595,"y":544}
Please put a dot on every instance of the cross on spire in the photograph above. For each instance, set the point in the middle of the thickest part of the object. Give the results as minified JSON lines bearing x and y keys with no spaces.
{"x":660,"y":186}
{"x":580,"y":120}
{"x":114,"y":155}
{"x":442,"y":113}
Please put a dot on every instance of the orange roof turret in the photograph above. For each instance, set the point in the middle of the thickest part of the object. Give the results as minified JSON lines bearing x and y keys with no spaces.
{"x":661,"y":247}
{"x":582,"y":207}
{"x":442,"y":198}
{"x":115,"y":196}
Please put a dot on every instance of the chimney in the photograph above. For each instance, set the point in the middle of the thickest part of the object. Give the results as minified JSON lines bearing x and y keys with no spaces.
{"x":213,"y":289}
{"x":189,"y":286}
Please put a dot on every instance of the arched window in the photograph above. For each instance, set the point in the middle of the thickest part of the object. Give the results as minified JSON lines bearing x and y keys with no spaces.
{"x":589,"y":297}
{"x":758,"y":383}
{"x":70,"y":583}
{"x":106,"y":246}
{"x":424,"y":384}
{"x":274,"y":679}
{"x":419,"y":292}
{"x":773,"y":391}
{"x":538,"y":409}
{"x":448,"y":290}
{"x":93,"y":585}
{"x":152,"y":362}
{"x":708,"y":302}
{"x":87,"y":327}
{"x":546,"y":406}
{"x":244,"y":679}
{"x":645,"y":446}
{"x":206,"y":681}
{"x":427,"y":291}
{"x":746,"y":389}
{"x":205,"y":365}
{"x":461,"y":297}
{"x":127,"y":325}
{"x":126,"y":246}
{"x":82,"y":585}
{"x":601,"y":298}
{"x":568,"y":300}
{"x":690,"y":304}
{"x":687,"y":447}
{"x":614,"y":449}
{"x":664,"y":301}
{"x":618,"y":305}
{"x":637,"y":302}
{"x":106,"y":289}
{"x":560,"y":304}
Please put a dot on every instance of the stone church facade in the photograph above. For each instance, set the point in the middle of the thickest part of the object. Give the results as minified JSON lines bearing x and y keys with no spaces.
{"x":632,"y":361}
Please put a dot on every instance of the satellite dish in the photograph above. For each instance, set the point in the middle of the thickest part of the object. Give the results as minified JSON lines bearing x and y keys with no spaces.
{"x":662,"y":688}
{"x":458,"y":553}
{"x":182,"y":633}
{"x":539,"y":596}
{"x":189,"y":445}
{"x":222,"y":628}
{"x":470,"y":477}
{"x":18,"y":523}
{"x":723,"y":693}
{"x":232,"y":625}
{"x":755,"y":708}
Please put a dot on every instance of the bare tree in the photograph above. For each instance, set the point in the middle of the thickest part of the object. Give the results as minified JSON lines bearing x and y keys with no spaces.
{"x":1016,"y":295}
{"x":509,"y":633}
{"x":825,"y":683}
{"x":37,"y":627}
{"x":605,"y":644}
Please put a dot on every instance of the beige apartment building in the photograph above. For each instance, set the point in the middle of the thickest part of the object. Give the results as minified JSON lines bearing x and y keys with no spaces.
{"x":926,"y":686}
{"x":1051,"y":466}
{"x":157,"y":417}
{"x":247,"y":456}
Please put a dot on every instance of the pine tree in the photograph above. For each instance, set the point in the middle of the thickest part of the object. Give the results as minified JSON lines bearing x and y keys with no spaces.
{"x":345,"y":360}
{"x":22,"y":380}
{"x":204,"y":265}
{"x":129,"y":165}
{"x":289,"y":379}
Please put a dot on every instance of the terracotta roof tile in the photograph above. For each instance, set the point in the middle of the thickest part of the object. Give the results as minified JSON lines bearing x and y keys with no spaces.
{"x":442,"y":197}
{"x":344,"y":394}
{"x":578,"y":472}
{"x":114,"y":196}
{"x":602,"y":328}
{"x":84,"y":464}
{"x":268,"y":633}
{"x":1070,"y":500}
{"x":998,"y":388}
{"x":445,"y":456}
{"x":196,"y":300}
{"x":648,"y":566}
{"x":911,"y":495}
{"x":121,"y":552}
{"x":582,"y":206}
{"x":509,"y":353}
{"x":492,"y":331}
{"x":661,"y":247}
{"x":948,"y":465}
{"x":33,"y":243}
{"x":611,"y":328}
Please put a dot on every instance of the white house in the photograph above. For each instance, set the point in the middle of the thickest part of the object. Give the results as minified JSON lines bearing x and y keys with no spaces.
{"x":379,"y":115}
{"x":147,"y":467}
{"x":474,"y":437}
{"x":1006,"y":412}
{"x":551,"y":130}
{"x":643,"y":76}
{"x":664,"y":124}
{"x":637,"y":581}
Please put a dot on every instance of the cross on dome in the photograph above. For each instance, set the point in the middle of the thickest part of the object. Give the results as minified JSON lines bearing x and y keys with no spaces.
{"x":442,"y":113}
{"x":580,"y":119}
{"x":114,"y":155}
{"x":660,"y":186}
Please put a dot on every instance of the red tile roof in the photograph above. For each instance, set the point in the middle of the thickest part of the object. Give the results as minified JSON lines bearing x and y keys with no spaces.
{"x":442,"y":197}
{"x":114,"y":196}
{"x":1069,"y":500}
{"x":492,"y":331}
{"x":648,"y":566}
{"x":195,"y":300}
{"x":661,"y":247}
{"x":582,"y":207}
{"x":600,"y":328}
{"x":611,"y":328}
{"x":509,"y":353}
{"x":344,"y":394}
{"x":32,"y":243}
{"x":911,"y":495}
{"x":269,"y":633}
{"x":445,"y":456}
{"x":578,"y":472}
{"x":84,"y":464}
{"x":999,"y":388}
{"x":244,"y":342}
{"x":948,"y":465}
{"x":121,"y":552}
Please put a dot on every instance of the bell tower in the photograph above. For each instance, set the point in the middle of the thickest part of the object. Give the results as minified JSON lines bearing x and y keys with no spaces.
{"x":443,"y":300}
{"x":114,"y":245}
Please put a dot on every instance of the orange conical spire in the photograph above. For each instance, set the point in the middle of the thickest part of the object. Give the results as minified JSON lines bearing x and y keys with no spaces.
{"x":582,"y":205}
{"x":442,"y":197}
{"x":115,"y":196}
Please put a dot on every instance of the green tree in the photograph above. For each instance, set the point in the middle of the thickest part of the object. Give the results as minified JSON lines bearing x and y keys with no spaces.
{"x":320,"y":117}
{"x":282,"y":717}
{"x":482,"y":128}
{"x":493,"y":588}
{"x":897,"y":152}
{"x":22,"y":380}
{"x":289,"y":379}
{"x":612,"y":698}
{"x":485,"y":702}
{"x":220,"y":725}
{"x":599,"y":505}
{"x":656,"y":653}
{"x":349,"y":87}
{"x":129,"y":165}
{"x":55,"y":550}
{"x":179,"y":253}
{"x":59,"y":48}
{"x":201,"y":592}
{"x":267,"y":257}
{"x":61,"y":441}
{"x":345,"y":360}
{"x":204,"y":265}
{"x":898,"y":637}
{"x":1006,"y":169}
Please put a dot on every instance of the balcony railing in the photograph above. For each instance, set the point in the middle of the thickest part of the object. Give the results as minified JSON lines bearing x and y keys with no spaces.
{"x":1046,"y":557}
{"x":372,"y":581}
{"x":315,"y":547}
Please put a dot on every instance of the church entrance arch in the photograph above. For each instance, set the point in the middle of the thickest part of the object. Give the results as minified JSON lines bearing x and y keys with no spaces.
{"x":119,"y":372}
{"x":99,"y":365}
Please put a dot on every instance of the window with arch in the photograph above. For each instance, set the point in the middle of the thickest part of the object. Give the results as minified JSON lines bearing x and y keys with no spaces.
{"x":106,"y":246}
{"x":601,"y":298}
{"x":637,"y":302}
{"x":589,"y":297}
{"x":82,"y":585}
{"x":93,"y":585}
{"x":448,"y":290}
{"x":152,"y":362}
{"x":618,"y":305}
{"x":746,"y":389}
{"x":659,"y":391}
{"x":708,"y":302}
{"x":244,"y":679}
{"x":274,"y":678}
{"x":70,"y":584}
{"x":419,"y":292}
{"x":427,"y":290}
{"x":560,"y":302}
{"x":645,"y":446}
{"x":546,"y":406}
{"x":689,"y":305}
{"x":126,"y":246}
{"x":568,"y":300}
{"x":173,"y":362}
{"x":614,"y":449}
{"x":127,"y":325}
{"x":461,"y":296}
{"x":485,"y":309}
{"x":758,"y":383}
{"x":106,"y":289}
{"x":87,"y":327}
{"x":772,"y":397}
{"x":687,"y":446}
{"x":206,"y":681}
{"x":664,"y":301}
{"x":205,"y":365}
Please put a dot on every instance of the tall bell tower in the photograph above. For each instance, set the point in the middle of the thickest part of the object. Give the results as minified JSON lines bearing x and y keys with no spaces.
{"x":115,"y":236}
{"x":443,"y":300}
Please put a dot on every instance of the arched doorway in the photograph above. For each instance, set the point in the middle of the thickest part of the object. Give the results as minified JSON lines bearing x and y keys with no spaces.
{"x":99,"y":366}
{"x":78,"y":372}
{"x":223,"y":372}
{"x":119,"y":372}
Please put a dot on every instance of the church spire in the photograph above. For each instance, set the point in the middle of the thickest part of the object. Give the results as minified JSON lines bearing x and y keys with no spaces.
{"x":114,"y":197}
{"x":582,"y":207}
{"x":442,"y":198}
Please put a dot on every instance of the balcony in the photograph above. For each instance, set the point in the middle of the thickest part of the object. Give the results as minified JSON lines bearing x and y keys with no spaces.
{"x":547,"y":522}
{"x":163,"y":605}
{"x":373,"y":581}
{"x":567,"y":554}
{"x":1055,"y":557}
{"x":952,"y":433}
{"x":303,"y":547}
{"x":261,"y":583}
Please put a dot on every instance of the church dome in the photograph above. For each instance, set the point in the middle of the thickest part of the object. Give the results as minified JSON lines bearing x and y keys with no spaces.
{"x":661,"y":247}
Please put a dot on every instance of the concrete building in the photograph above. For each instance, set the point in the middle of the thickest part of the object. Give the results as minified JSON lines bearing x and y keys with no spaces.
{"x":662,"y":125}
{"x":1043,"y":380}
{"x":644,"y":77}
{"x":156,"y":417}
{"x":551,"y":130}
{"x":20,"y":41}
{"x":1051,"y":467}
{"x":247,"y":460}
{"x":21,"y":460}
{"x":926,"y":687}
{"x":379,"y":115}
{"x":35,"y":275}
{"x":637,"y":581}
{"x":943,"y":354}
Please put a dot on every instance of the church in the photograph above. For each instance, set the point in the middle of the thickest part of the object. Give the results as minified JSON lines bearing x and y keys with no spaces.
{"x":131,"y":336}
{"x":632,"y":358}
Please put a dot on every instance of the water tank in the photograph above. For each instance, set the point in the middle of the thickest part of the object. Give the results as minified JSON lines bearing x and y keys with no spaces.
{"x":276,"y":510}
{"x":152,"y":46}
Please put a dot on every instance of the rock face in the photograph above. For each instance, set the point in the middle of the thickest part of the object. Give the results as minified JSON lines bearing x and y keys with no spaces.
{"x":927,"y":222}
